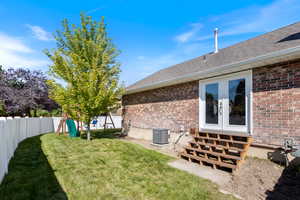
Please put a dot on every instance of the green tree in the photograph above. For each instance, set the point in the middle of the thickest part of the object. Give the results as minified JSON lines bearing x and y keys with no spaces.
{"x":85,"y":58}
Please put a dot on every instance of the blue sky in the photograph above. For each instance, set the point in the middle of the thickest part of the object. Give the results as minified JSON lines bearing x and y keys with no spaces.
{"x":150,"y":34}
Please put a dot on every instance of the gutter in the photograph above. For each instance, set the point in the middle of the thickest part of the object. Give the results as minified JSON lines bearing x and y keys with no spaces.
{"x":266,"y":59}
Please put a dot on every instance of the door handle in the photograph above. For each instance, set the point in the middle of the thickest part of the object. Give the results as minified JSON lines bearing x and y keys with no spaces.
{"x":221,"y":108}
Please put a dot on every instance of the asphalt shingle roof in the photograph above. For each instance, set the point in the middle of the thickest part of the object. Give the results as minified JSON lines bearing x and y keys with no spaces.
{"x":279,"y":39}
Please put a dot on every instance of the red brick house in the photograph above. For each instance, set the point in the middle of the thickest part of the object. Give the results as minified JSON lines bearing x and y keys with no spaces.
{"x":252,"y":87}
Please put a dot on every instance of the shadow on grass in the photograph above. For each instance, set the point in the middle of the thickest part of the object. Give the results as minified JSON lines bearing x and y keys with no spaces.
{"x":107,"y":133}
{"x":288,"y":185}
{"x":30,"y":176}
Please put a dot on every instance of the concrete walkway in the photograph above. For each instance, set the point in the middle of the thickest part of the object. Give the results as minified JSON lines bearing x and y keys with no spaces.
{"x":217,"y":176}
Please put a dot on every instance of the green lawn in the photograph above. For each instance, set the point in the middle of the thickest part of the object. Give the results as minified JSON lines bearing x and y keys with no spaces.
{"x":59,"y":167}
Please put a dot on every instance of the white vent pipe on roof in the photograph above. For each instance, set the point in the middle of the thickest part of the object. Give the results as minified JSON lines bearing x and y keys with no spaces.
{"x":216,"y":40}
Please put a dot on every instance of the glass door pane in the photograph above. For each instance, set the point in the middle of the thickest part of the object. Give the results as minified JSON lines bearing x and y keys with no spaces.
{"x":237,"y":102}
{"x":211,"y":103}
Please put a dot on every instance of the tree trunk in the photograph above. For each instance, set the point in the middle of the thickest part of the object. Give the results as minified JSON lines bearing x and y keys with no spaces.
{"x":78,"y":131}
{"x":89,"y":132}
{"x":28,"y":112}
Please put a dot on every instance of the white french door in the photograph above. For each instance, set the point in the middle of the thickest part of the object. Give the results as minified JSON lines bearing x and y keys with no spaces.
{"x":225,"y":103}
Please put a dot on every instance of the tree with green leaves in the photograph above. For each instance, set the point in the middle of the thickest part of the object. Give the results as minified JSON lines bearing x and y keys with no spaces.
{"x":85,"y":59}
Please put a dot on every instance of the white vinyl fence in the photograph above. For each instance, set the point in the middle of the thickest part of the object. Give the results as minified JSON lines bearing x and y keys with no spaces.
{"x":13,"y":131}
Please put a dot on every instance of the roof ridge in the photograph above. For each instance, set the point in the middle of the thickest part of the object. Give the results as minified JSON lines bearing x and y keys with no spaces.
{"x":260,"y":35}
{"x":235,"y":44}
{"x":268,"y":45}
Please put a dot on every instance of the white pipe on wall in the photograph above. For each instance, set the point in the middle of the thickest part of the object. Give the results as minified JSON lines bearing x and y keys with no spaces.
{"x":216,"y":40}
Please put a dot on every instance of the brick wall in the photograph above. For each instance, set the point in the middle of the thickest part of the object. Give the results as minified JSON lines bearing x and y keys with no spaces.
{"x":276,"y":105}
{"x":276,"y":102}
{"x":167,"y":107}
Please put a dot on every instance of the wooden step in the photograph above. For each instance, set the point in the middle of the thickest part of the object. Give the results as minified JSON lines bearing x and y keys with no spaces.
{"x":214,"y":162}
{"x":222,"y":140}
{"x":214,"y":153}
{"x":218,"y":146}
{"x":218,"y":149}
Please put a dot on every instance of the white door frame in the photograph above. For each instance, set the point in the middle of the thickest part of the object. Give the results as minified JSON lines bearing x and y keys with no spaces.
{"x":223,"y":97}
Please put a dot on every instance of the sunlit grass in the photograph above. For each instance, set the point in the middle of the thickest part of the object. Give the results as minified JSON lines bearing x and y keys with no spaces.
{"x":59,"y":167}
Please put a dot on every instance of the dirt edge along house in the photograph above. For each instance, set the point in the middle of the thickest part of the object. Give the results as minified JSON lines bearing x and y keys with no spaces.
{"x":251,"y":88}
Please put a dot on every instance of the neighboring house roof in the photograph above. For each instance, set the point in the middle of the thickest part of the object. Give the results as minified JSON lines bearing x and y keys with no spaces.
{"x":283,"y":43}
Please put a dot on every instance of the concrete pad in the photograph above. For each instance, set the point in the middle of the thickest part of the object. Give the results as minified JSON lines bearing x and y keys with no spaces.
{"x":164,"y":149}
{"x":217,"y":176}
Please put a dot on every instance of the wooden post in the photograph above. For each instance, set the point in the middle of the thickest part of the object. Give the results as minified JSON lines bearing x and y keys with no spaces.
{"x":62,"y":124}
{"x":111,"y":120}
{"x":105,"y":121}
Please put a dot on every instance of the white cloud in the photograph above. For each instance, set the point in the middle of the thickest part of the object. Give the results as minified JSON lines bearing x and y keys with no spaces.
{"x":15,"y":53}
{"x":177,"y":55}
{"x":13,"y":44}
{"x":151,"y":64}
{"x":185,"y":37}
{"x":205,"y":37}
{"x":11,"y":59}
{"x":269,"y":17}
{"x":253,"y":19}
{"x":39,"y":33}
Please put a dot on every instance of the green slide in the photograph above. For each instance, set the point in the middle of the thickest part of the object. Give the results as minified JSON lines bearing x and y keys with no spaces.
{"x":72,"y":128}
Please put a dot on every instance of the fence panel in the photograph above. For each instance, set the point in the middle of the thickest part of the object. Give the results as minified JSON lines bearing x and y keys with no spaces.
{"x":13,"y":131}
